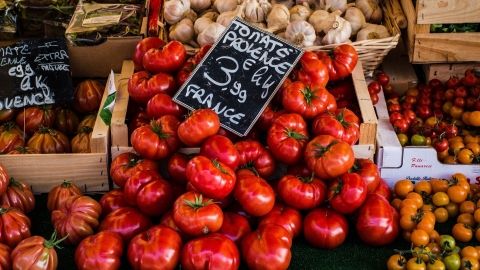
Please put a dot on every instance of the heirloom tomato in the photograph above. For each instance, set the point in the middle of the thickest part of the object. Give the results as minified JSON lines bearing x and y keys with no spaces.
{"x":369,"y":173}
{"x":383,"y":190}
{"x":87,"y":121}
{"x":7,"y":115}
{"x":5,"y":261}
{"x":18,"y":195}
{"x":22,"y":151}
{"x":269,"y":115}
{"x":162,"y":104}
{"x":100,"y":251}
{"x":14,"y":226}
{"x":328,"y":157}
{"x":77,"y":218}
{"x":167,"y":220}
{"x":168,"y":58}
{"x":201,"y":124}
{"x":177,"y":166}
{"x":343,"y":124}
{"x":142,"y":47}
{"x":36,"y":253}
{"x":60,"y":193}
{"x":196,"y":215}
{"x":254,"y":194}
{"x":142,"y":87}
{"x":4,"y":180}
{"x":287,"y":138}
{"x":222,"y":149}
{"x":234,"y":226}
{"x":112,"y":200}
{"x":213,"y":251}
{"x":325,"y":228}
{"x":255,"y":157}
{"x":289,"y":218}
{"x":11,"y":137}
{"x":306,"y":100}
{"x":189,"y":65}
{"x":347,"y":193}
{"x":148,"y":191}
{"x":157,"y":248}
{"x":88,"y":96}
{"x":66,"y":120}
{"x":81,"y":141}
{"x":301,"y":192}
{"x":341,"y":63}
{"x":49,"y":141}
{"x":377,"y":222}
{"x":313,"y":71}
{"x":267,"y":248}
{"x":32,"y":118}
{"x":210,"y":177}
{"x":125,"y":221}
{"x":138,"y":119}
{"x":126,"y":164}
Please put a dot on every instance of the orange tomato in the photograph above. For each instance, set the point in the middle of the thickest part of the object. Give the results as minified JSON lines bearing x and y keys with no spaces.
{"x":426,"y":224}
{"x":417,"y":198}
{"x":439,"y":185}
{"x":455,"y":139}
{"x":441,"y":214}
{"x":440,"y":199}
{"x":476,"y":215}
{"x":455,"y":147}
{"x":442,"y":155}
{"x":396,"y":262}
{"x":403,"y":187}
{"x":466,"y":219}
{"x":466,"y":118}
{"x":465,"y":156}
{"x":474,"y":147}
{"x":407,"y":222}
{"x":470,"y":139}
{"x":456,"y":112}
{"x":434,"y":236}
{"x":423,"y":187}
{"x":396,"y":203}
{"x":467,"y":207}
{"x":457,"y":194}
{"x":450,"y":160}
{"x":419,"y":238}
{"x":462,"y":232}
{"x":428,"y":208}
{"x":469,"y":263}
{"x":469,"y":251}
{"x":452,"y":209}
{"x":474,"y":118}
{"x":408,"y":210}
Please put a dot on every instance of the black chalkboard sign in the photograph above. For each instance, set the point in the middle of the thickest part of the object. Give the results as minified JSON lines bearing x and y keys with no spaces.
{"x":34,"y":72}
{"x":239,"y":76}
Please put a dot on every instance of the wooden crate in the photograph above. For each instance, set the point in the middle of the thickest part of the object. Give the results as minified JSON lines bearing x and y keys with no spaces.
{"x":444,"y":71}
{"x":44,"y":171}
{"x":426,"y":47}
{"x":364,"y":149}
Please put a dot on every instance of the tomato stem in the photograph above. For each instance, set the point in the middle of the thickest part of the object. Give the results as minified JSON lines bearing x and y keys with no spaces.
{"x":198,"y":202}
{"x":157,"y":129}
{"x":66,"y":184}
{"x":321,"y":150}
{"x":53,"y":242}
{"x":295,"y":135}
{"x":308,"y":94}
{"x":219,"y":166}
{"x":14,"y":183}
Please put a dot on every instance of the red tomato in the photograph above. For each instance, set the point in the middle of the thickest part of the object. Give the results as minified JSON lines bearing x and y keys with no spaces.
{"x":343,"y":125}
{"x":287,"y":217}
{"x":201,"y":124}
{"x":214,"y":251}
{"x":88,"y":96}
{"x":77,"y":218}
{"x":7,"y":115}
{"x":49,"y":141}
{"x":14,"y":226}
{"x":325,"y":228}
{"x":383,"y":78}
{"x":142,"y":87}
{"x":162,"y":104}
{"x":304,"y":99}
{"x":126,"y":221}
{"x":167,"y":220}
{"x":374,"y":88}
{"x":126,"y":164}
{"x":5,"y":261}
{"x":190,"y":64}
{"x":234,"y":226}
{"x":18,"y":195}
{"x":177,"y":166}
{"x":167,"y":59}
{"x":36,"y":253}
{"x":254,"y":194}
{"x":377,"y":222}
{"x":313,"y":71}
{"x":196,"y":215}
{"x":113,"y":200}
{"x":4,"y":180}
{"x":383,"y":190}
{"x":222,"y":149}
{"x":157,"y":140}
{"x":268,"y":115}
{"x":139,"y":119}
{"x":369,"y":173}
{"x":267,"y":248}
{"x":254,"y":156}
{"x":287,"y":138}
{"x":210,"y":177}
{"x":149,"y":192}
{"x":301,"y":192}
{"x":328,"y":157}
{"x":347,"y":193}
{"x":31,"y":118}
{"x":157,"y":248}
{"x":100,"y":251}
{"x":11,"y":137}
{"x":142,"y":47}
{"x":59,"y":194}
{"x":342,"y":62}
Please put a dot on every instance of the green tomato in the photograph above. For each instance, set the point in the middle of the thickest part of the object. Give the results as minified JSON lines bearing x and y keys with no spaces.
{"x":452,"y":261}
{"x":402,"y":138}
{"x":447,"y":242}
{"x":418,"y":140}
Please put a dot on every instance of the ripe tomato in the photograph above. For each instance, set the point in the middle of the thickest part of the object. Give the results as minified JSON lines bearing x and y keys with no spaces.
{"x":126,"y":164}
{"x":256,"y":157}
{"x":126,"y":221}
{"x":88,"y":96}
{"x":18,"y":195}
{"x":177,"y":166}
{"x":369,"y":173}
{"x":5,"y":261}
{"x":14,"y":226}
{"x":343,"y":125}
{"x":254,"y":194}
{"x":470,"y":251}
{"x":142,"y":47}
{"x":396,"y":262}
{"x":287,"y":217}
{"x":313,"y":70}
{"x":419,"y":238}
{"x":157,"y":248}
{"x":305,"y":99}
{"x":325,"y":228}
{"x":301,"y":192}
{"x":196,"y":215}
{"x":383,"y":190}
{"x":32,"y":118}
{"x":201,"y":124}
{"x":462,"y":232}
{"x":149,"y":192}
{"x":49,"y":141}
{"x":11,"y":137}
{"x":287,"y":138}
{"x":213,"y":251}
{"x":469,"y":263}
{"x":403,"y":187}
{"x":347,"y":193}
{"x":168,"y":58}
{"x":328,"y":157}
{"x":102,"y":250}
{"x":113,"y":200}
{"x":377,"y":222}
{"x":457,"y":194}
{"x":167,"y":220}
{"x":222,"y":149}
{"x":60,"y":193}
{"x":342,"y":61}
{"x":234,"y":226}
{"x":4,"y":180}
{"x":162,"y":104}
{"x":268,"y":245}
{"x":77,"y":218}
{"x":36,"y":253}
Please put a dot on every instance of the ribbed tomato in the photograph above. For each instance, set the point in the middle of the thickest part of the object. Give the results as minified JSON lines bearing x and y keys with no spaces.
{"x":18,"y":195}
{"x":142,"y":87}
{"x":343,"y":124}
{"x":100,"y":251}
{"x":290,"y":219}
{"x":60,"y":193}
{"x":11,"y":137}
{"x":36,"y":253}
{"x":88,"y":96}
{"x":49,"y":141}
{"x":112,"y":200}
{"x":5,"y":261}
{"x":308,"y":100}
{"x":254,"y":194}
{"x":201,"y":124}
{"x":32,"y":118}
{"x":14,"y":226}
{"x":301,"y":192}
{"x":66,"y":120}
{"x":347,"y":193}
{"x":369,"y":173}
{"x":3,"y":180}
{"x":125,"y":221}
{"x":162,"y":104}
{"x":325,"y":228}
{"x":234,"y":226}
{"x":221,"y":148}
{"x":255,"y":156}
{"x":126,"y":164}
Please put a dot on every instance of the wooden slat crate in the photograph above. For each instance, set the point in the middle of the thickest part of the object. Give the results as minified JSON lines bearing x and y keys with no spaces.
{"x":364,"y":149}
{"x":444,"y":71}
{"x":426,"y":47}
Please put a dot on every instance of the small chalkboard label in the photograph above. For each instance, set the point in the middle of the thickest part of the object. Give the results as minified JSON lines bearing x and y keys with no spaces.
{"x":35,"y":72}
{"x":239,"y":76}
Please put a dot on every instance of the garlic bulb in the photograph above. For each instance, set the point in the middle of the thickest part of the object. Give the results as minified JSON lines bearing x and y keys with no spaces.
{"x":182,"y":31}
{"x":322,"y":21}
{"x":356,"y":19}
{"x":226,"y":18}
{"x":256,"y":10}
{"x":371,"y":10}
{"x":210,"y":34}
{"x":333,"y":5}
{"x":225,"y":5}
{"x":260,"y":25}
{"x":199,"y":5}
{"x":300,"y":33}
{"x":174,"y":10}
{"x":278,"y":18}
{"x":282,"y":35}
{"x":339,"y":33}
{"x":300,"y":12}
{"x":286,"y":3}
{"x":202,"y":22}
{"x":372,"y":31}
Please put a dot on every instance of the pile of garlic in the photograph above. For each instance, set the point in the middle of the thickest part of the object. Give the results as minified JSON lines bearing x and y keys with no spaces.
{"x":302,"y":22}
